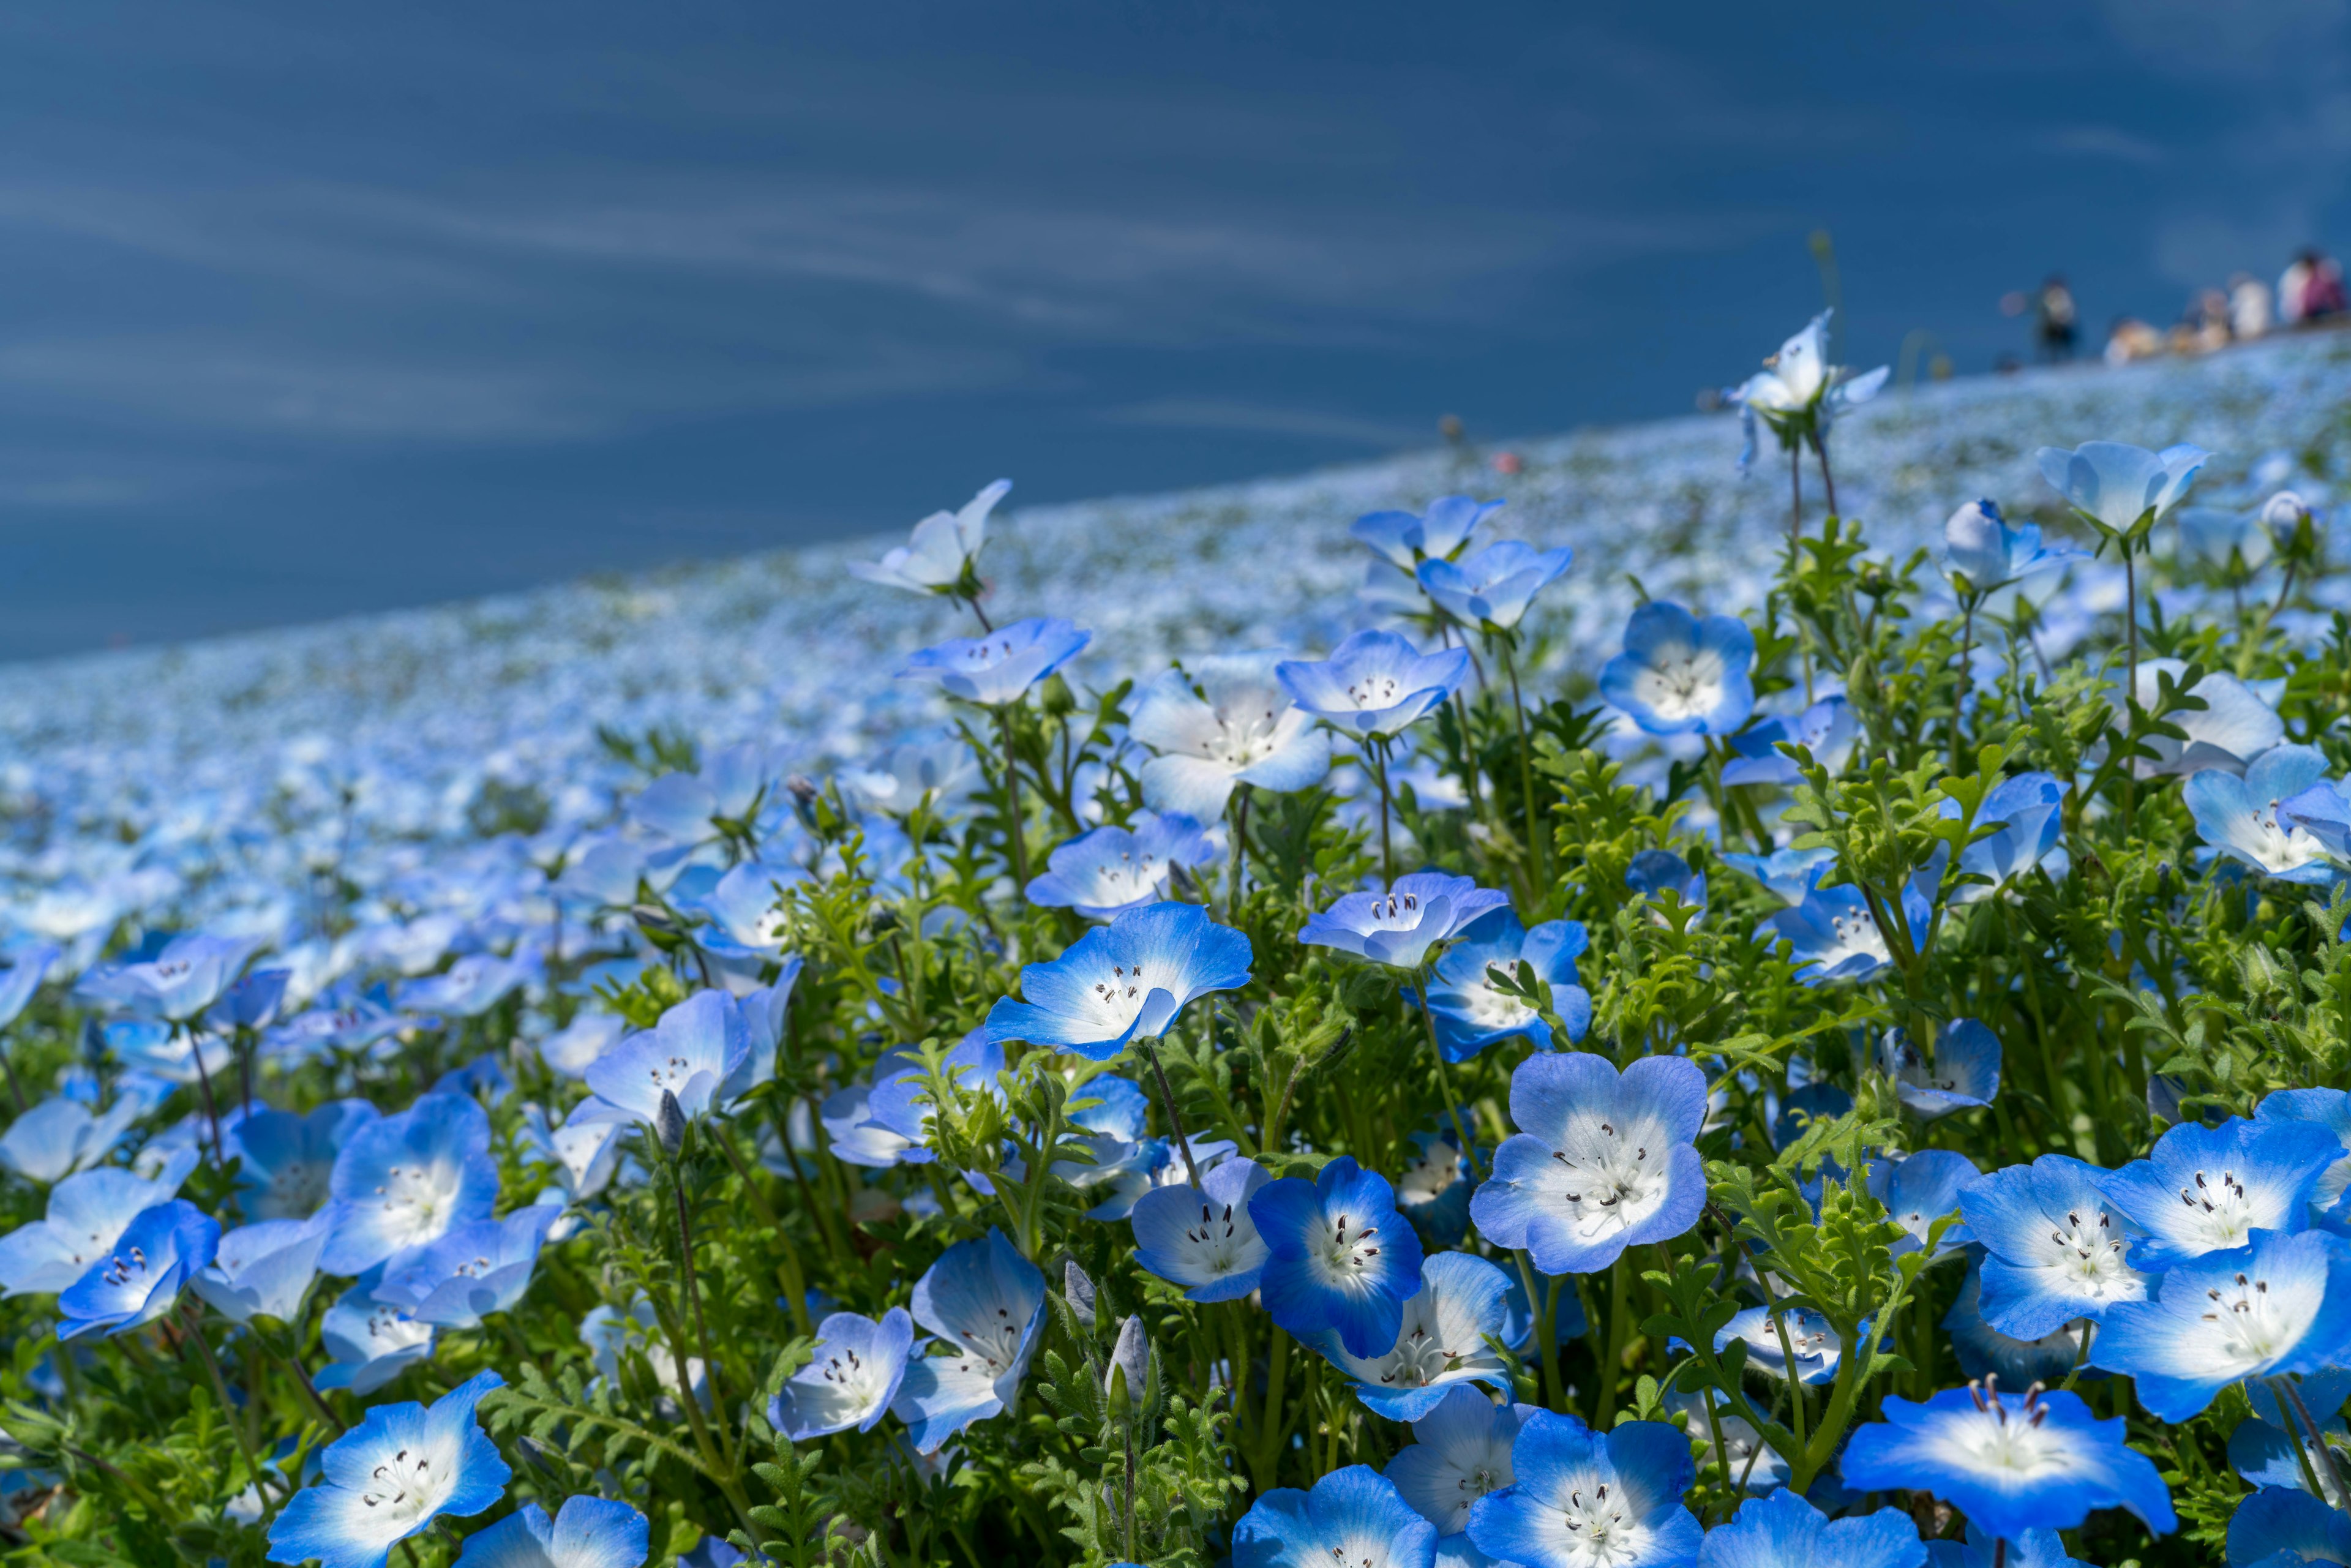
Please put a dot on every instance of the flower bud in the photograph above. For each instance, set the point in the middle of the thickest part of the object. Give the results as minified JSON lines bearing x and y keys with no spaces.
{"x":1130,"y":1364}
{"x":1080,"y":1290}
{"x":669,"y":1122}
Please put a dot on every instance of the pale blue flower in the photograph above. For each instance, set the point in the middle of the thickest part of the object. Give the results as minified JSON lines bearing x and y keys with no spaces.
{"x":1111,"y":870}
{"x":999,"y":667}
{"x":2323,"y":811}
{"x":402,"y":1467}
{"x":1404,"y":539}
{"x":1491,"y":588}
{"x":59,"y":1137}
{"x":1340,"y":1258}
{"x":1441,"y":1343}
{"x":1124,"y":981}
{"x":2029,"y":810}
{"x":1460,"y":1452}
{"x":849,"y":1381}
{"x":1203,"y":1237}
{"x":1964,"y":1075}
{"x":2207,"y":1189}
{"x":2058,"y":1247}
{"x":2116,"y":485}
{"x":180,"y":981}
{"x":2281,"y":1304}
{"x":1919,"y":1189}
{"x":472,"y":1271}
{"x":2246,"y":820}
{"x":2328,"y":1108}
{"x":1374,"y":685}
{"x":1986,"y":553}
{"x":696,"y":1047}
{"x":2233,"y":727}
{"x":265,"y":1269}
{"x":1682,"y":676}
{"x":372,"y":1341}
{"x":741,"y":915}
{"x":473,"y":985}
{"x":986,"y":1302}
{"x":1832,"y":937}
{"x":1783,"y":1530}
{"x":587,"y":1532}
{"x":1471,"y":1013}
{"x":1789,"y":874}
{"x":407,"y":1181}
{"x":287,"y":1163}
{"x":1816,"y":1345}
{"x":938,"y":555}
{"x":88,"y":1213}
{"x":1400,"y":925}
{"x":1573,"y":1486}
{"x":1221,"y":723}
{"x":140,"y":1277}
{"x":1827,"y":729}
{"x":1354,"y":1515}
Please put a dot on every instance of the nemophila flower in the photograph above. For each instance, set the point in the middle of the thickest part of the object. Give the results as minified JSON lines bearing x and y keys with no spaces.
{"x":851,"y":1379}
{"x":609,"y":1334}
{"x":2281,"y":1304}
{"x":1827,"y":729}
{"x":2230,"y":541}
{"x":584,"y":1156}
{"x":1000,"y":666}
{"x":2029,"y":810}
{"x":2030,"y":1549}
{"x":288,"y":1162}
{"x":2269,"y":1447}
{"x":1815,"y":1344}
{"x":168,"y":1051}
{"x":1783,"y":1530}
{"x":1471,"y":1013}
{"x":1832,"y":937}
{"x":2233,"y":727}
{"x":1404,"y":539}
{"x":1601,"y":1160}
{"x":1433,"y":1190}
{"x":1354,"y":1515}
{"x":937,"y":558}
{"x":2281,"y":1526}
{"x":587,"y":1532}
{"x":1580,"y":1500}
{"x":27,"y":968}
{"x":852,"y":1134}
{"x":1985,"y":553}
{"x":2322,"y":810}
{"x":1682,"y":676}
{"x":88,"y":1213}
{"x":2242,"y":818}
{"x":1787,"y":874}
{"x":1399,"y":923}
{"x":2328,"y":1108}
{"x":181,"y":980}
{"x":407,"y":1181}
{"x":1203,"y":1237}
{"x":355,"y":1021}
{"x":691,"y":810}
{"x":1803,"y":1106}
{"x":2207,"y":1189}
{"x":901,"y":1104}
{"x":741,"y":915}
{"x":2116,"y":484}
{"x":1220,"y":723}
{"x":60,"y":1135}
{"x":570,"y":1050}
{"x":1374,"y":685}
{"x":2010,"y":1462}
{"x":986,"y":1302}
{"x":1654,"y":872}
{"x":140,"y":1278}
{"x":2058,"y":1247}
{"x":473,"y":1270}
{"x":1109,"y":871}
{"x":1124,"y":981}
{"x":1964,"y":1075}
{"x":697,"y":1046}
{"x":1491,"y":588}
{"x":250,"y":1002}
{"x":1110,"y":1115}
{"x":1339,"y":1258}
{"x":1441,"y":1342}
{"x":1920,"y":1189}
{"x":1460,"y":1452}
{"x":265,"y":1270}
{"x":390,"y":1476}
{"x":473,"y":985}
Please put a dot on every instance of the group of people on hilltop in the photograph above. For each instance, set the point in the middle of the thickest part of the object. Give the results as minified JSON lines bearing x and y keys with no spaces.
{"x":2310,"y":292}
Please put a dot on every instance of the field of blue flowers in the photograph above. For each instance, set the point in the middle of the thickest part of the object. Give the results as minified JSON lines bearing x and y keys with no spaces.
{"x":1651,"y":1005}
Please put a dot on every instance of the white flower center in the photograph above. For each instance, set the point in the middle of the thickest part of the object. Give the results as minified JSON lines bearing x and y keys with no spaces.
{"x":2252,"y":1327}
{"x":1217,"y":1243}
{"x":1492,"y":1010}
{"x":418,"y":1196}
{"x":1241,"y":739}
{"x":1601,"y":1533}
{"x":2220,"y":1212}
{"x":2005,"y":1446}
{"x":1119,"y":997}
{"x":405,"y":1489}
{"x":1429,"y":1176}
{"x":992,"y":1346}
{"x":1682,"y":684}
{"x":1371,"y":693}
{"x":2281,"y":849}
{"x":2090,"y":1255}
{"x":1344,"y":1252}
{"x":1610,"y":1183}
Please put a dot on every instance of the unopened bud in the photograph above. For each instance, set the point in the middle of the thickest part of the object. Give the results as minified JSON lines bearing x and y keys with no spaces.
{"x":669,"y":1122}
{"x":1080,"y":1290}
{"x":1130,"y":1364}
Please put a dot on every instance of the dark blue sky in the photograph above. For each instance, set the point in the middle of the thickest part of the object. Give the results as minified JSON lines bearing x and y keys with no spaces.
{"x":312,"y":308}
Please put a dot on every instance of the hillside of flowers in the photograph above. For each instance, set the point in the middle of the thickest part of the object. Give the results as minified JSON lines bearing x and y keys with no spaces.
{"x":1651,"y":1003}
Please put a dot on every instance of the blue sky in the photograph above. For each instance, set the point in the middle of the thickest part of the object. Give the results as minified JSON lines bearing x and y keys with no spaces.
{"x":309,"y":309}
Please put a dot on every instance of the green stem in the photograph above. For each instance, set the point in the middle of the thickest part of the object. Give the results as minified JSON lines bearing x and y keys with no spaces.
{"x":1536,"y":848}
{"x":1016,"y":819}
{"x":193,"y":1316}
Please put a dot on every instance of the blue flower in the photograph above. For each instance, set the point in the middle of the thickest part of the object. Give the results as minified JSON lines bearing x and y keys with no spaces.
{"x":251,"y":1002}
{"x":852,"y":1134}
{"x":2282,"y":1304}
{"x":1816,"y":1345}
{"x":2028,"y":809}
{"x":2323,"y":811}
{"x":1798,"y":392}
{"x":1123,"y":981}
{"x":587,"y":1532}
{"x":178,"y":981}
{"x":1601,"y":1161}
{"x":1985,"y":553}
{"x":1460,"y":1452}
{"x":2010,"y":1462}
{"x":1575,"y":1488}
{"x":402,"y":1467}
{"x":1105,"y":872}
{"x":939,"y":554}
{"x":27,"y":968}
{"x":901,"y":1102}
{"x":141,"y":1278}
{"x":2280,"y":1527}
{"x":2328,"y":1108}
{"x":88,"y":1213}
{"x":1397,"y":925}
{"x":2262,"y":1450}
{"x":1833,"y":937}
{"x":1404,"y":539}
{"x":1827,"y":729}
{"x":1441,"y":1343}
{"x":1376,"y":684}
{"x":1654,"y":873}
{"x":696,"y":1047}
{"x":473,"y":985}
{"x":1783,"y":1530}
{"x":998,"y":668}
{"x":1470,"y":1014}
{"x":1434,"y":1190}
{"x":1964,"y":1077}
{"x":2057,"y":1246}
{"x":1919,"y":1190}
{"x":741,"y":915}
{"x":472,"y":1271}
{"x":2244,"y":818}
{"x":987,"y":1302}
{"x":2116,"y":486}
{"x":690,"y":811}
{"x":2030,"y":1549}
{"x":584,"y":1155}
{"x":1238,"y":727}
{"x":288,"y":1162}
{"x":1203,"y":1237}
{"x":1789,"y":874}
{"x":408,"y":1180}
{"x":1354,"y":1515}
{"x":2207,"y":1189}
{"x":1803,"y":1106}
{"x":1339,"y":1257}
{"x":1124,"y":1160}
{"x":1492,"y":587}
{"x":372,"y":1341}
{"x":849,"y":1381}
{"x":59,"y":1137}
{"x":264,"y":1270}
{"x":1681,"y":675}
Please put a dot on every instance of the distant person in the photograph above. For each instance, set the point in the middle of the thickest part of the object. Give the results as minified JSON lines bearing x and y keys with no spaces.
{"x":2249,"y":307}
{"x":2294,"y":287}
{"x":2131,"y":339}
{"x":2323,"y":296}
{"x":2204,"y":326}
{"x":2053,"y":319}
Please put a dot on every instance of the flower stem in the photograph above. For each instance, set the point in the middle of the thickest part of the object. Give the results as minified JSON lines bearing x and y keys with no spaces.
{"x":1167,"y":1104}
{"x":1017,"y":825}
{"x":1536,"y":849}
{"x":1443,"y":1084}
{"x":1378,"y":752}
{"x":194,"y":1320}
